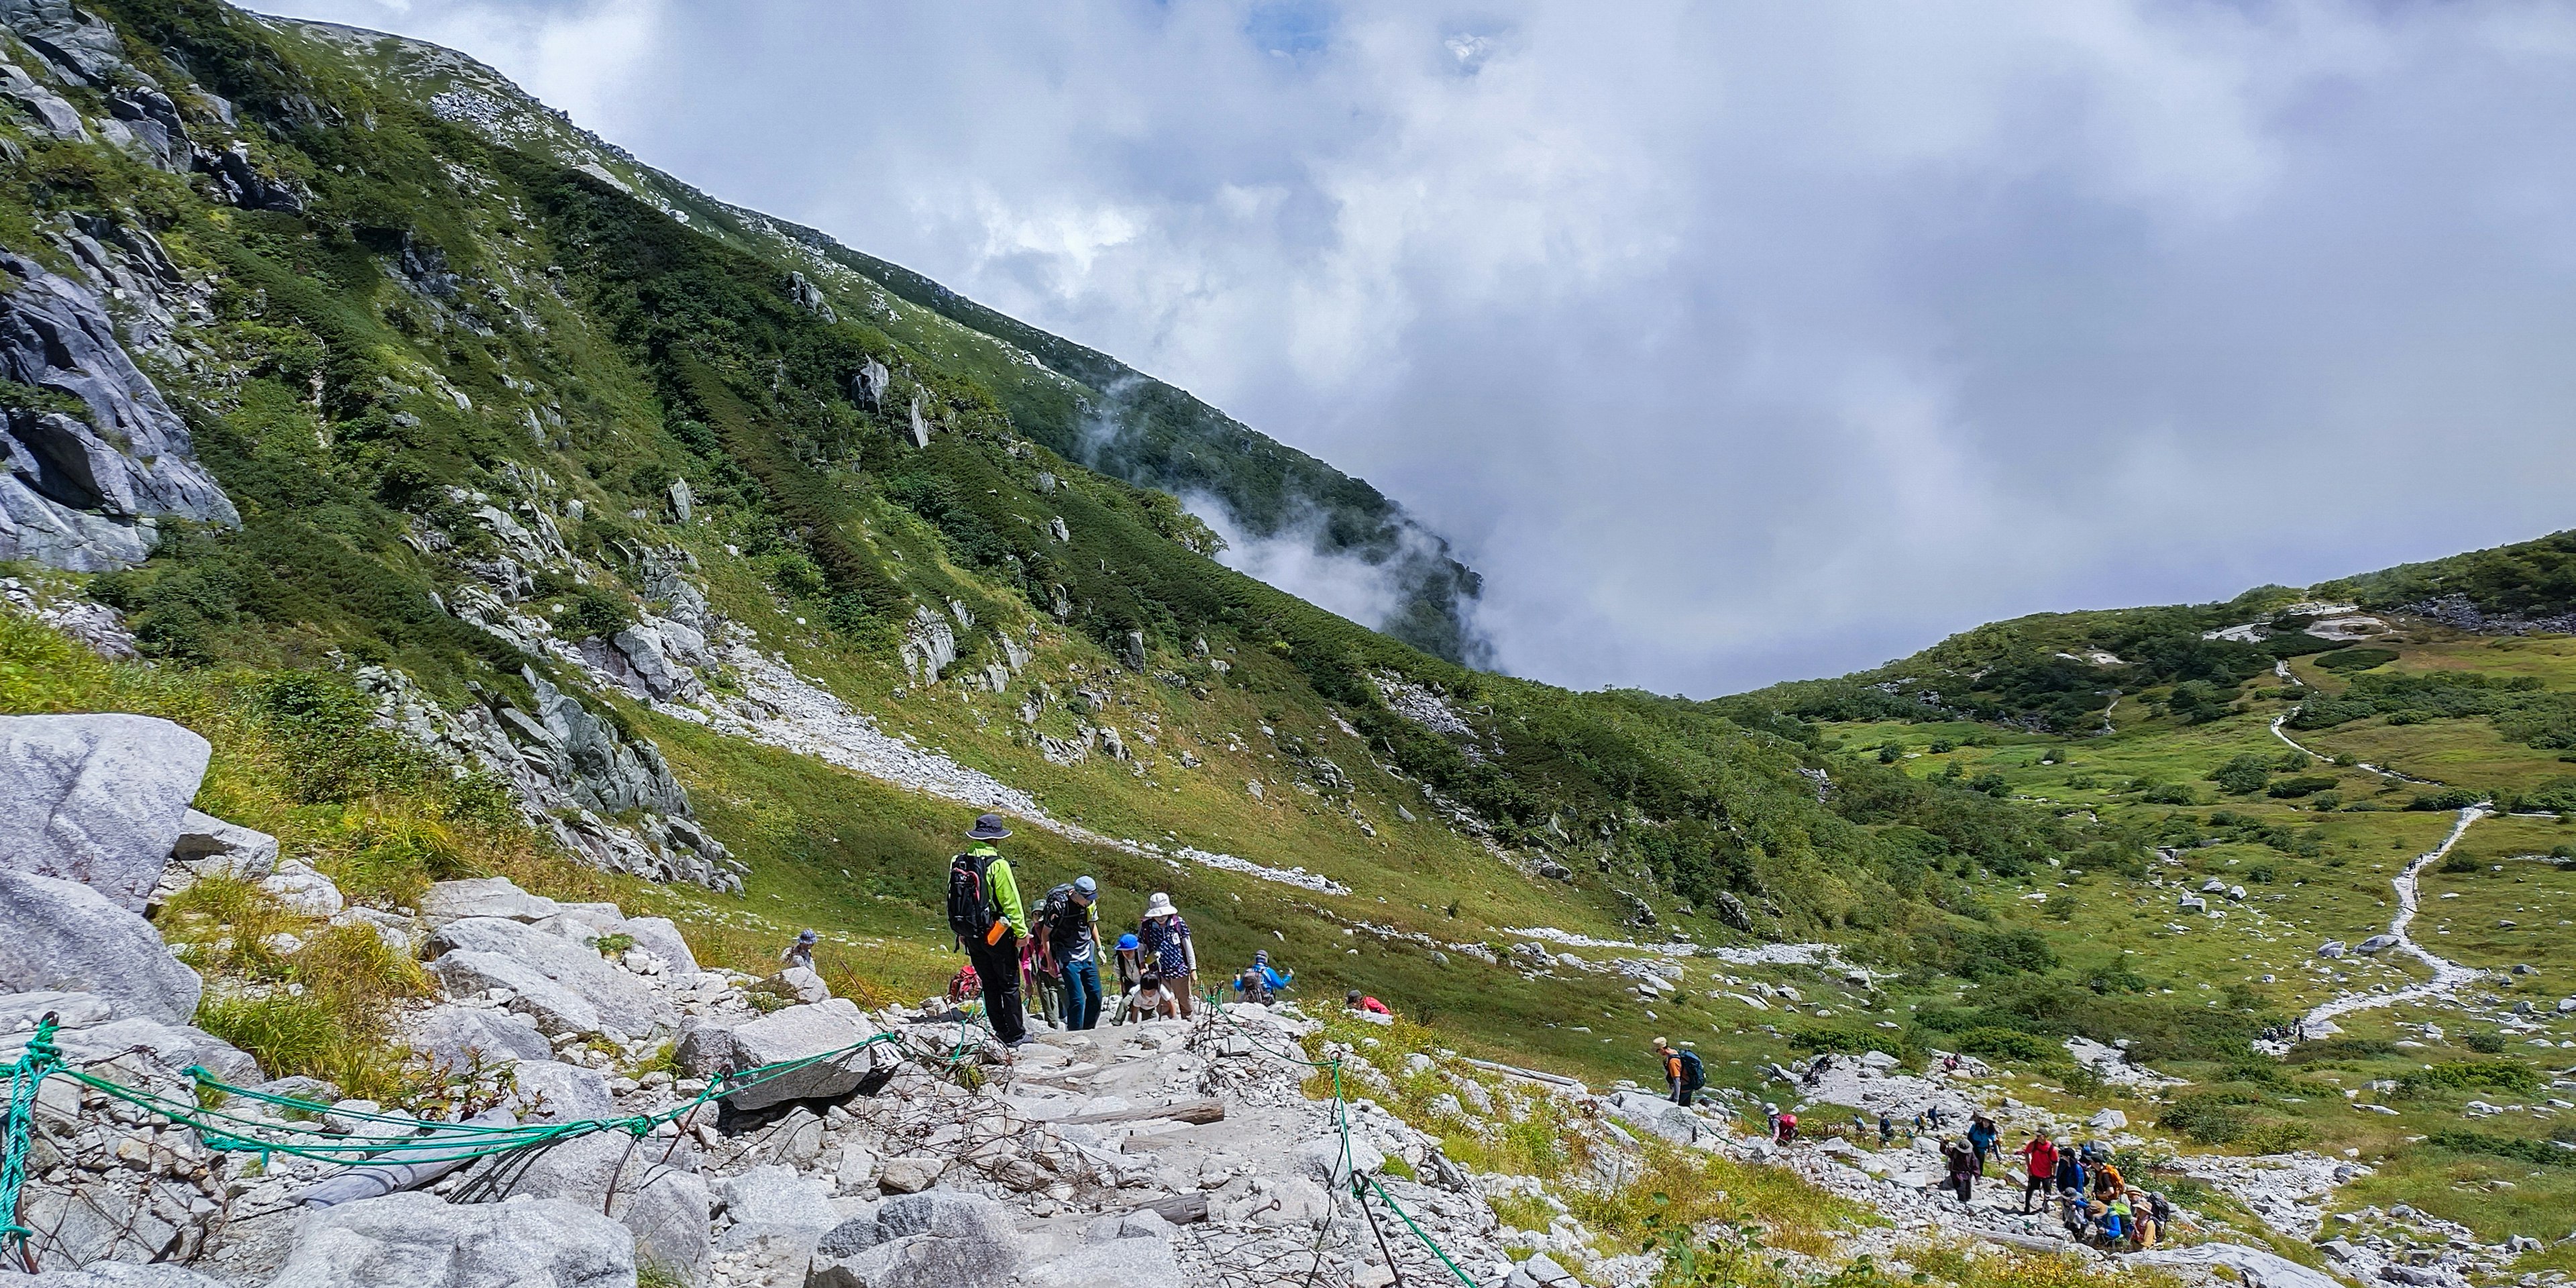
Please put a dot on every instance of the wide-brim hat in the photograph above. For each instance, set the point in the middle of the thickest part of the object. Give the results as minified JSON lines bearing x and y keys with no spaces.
{"x":1160,"y":906}
{"x":988,"y":828}
{"x":806,"y":936}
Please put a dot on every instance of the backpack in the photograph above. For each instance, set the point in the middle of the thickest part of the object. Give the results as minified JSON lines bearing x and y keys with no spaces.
{"x":970,"y":907}
{"x":1693,"y":1077}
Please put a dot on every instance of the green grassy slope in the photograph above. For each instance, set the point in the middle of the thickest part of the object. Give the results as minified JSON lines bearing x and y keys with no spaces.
{"x":1078,"y":402}
{"x":2174,"y":743}
{"x":448,"y":316}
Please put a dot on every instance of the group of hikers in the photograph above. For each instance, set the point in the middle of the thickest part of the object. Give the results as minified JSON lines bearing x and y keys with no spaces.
{"x":1050,"y":957}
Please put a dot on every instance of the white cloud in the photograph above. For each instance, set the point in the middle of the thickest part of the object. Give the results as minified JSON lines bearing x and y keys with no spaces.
{"x":1730,"y":342}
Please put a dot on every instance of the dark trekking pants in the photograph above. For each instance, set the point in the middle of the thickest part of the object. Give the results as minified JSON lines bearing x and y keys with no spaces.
{"x":998,"y":966}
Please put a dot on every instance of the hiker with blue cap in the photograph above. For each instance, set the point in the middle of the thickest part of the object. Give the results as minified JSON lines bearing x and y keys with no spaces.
{"x":985,"y":913}
{"x":1131,"y":972}
{"x":1069,"y":945}
{"x":800,"y":955}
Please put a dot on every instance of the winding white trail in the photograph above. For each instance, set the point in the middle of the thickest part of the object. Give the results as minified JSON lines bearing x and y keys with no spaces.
{"x":2447,"y":974}
{"x":2284,"y":718}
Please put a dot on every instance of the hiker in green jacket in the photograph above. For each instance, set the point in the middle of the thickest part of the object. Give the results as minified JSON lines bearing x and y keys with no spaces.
{"x":985,"y":912}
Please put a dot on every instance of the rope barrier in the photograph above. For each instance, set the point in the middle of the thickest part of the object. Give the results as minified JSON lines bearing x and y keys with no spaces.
{"x":25,"y":1076}
{"x":1345,"y":1162}
{"x":417,"y":1142}
{"x":459,"y":1142}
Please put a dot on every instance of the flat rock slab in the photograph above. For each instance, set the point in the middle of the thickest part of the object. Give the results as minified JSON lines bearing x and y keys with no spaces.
{"x":60,"y":936}
{"x":422,"y":1241}
{"x":796,"y":1033}
{"x":96,"y":799}
{"x":609,"y":996}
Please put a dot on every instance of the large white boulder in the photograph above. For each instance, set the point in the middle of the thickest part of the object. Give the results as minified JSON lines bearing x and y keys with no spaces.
{"x":777,"y":1217}
{"x":61,"y":936}
{"x":458,"y":1036}
{"x":552,"y":1091}
{"x":800,"y":1031}
{"x":96,"y":799}
{"x":210,"y":847}
{"x":1662,"y":1117}
{"x":484,"y":897}
{"x":421,"y":1241}
{"x":614,"y":998}
{"x":934,"y":1239}
{"x":118,"y":1274}
{"x":670,"y":1219}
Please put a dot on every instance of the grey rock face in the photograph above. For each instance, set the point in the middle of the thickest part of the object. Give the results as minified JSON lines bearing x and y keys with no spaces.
{"x":938,"y":1237}
{"x":58,"y":936}
{"x":551,"y":1091}
{"x":121,"y":1274}
{"x":208,"y":847}
{"x":421,"y":1241}
{"x":798,"y":1032}
{"x":1662,"y":1117}
{"x":80,"y":491}
{"x":484,"y":897}
{"x":96,"y":799}
{"x":510,"y":954}
{"x":457,"y":1037}
{"x":670,"y":1221}
{"x":704,"y":1049}
{"x":1324,"y":1161}
{"x":570,"y":773}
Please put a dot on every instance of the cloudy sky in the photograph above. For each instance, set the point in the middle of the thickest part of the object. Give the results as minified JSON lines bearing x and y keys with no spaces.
{"x":1731,"y":342}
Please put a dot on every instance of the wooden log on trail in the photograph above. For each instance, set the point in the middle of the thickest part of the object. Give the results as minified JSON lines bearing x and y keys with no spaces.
{"x":1532,"y":1075}
{"x":1188,"y":1111}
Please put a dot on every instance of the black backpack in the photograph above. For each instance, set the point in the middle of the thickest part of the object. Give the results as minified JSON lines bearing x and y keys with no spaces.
{"x":1693,"y":1077}
{"x":970,"y":908}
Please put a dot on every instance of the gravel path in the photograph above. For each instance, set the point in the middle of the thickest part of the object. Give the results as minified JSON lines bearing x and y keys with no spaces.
{"x":2448,"y":975}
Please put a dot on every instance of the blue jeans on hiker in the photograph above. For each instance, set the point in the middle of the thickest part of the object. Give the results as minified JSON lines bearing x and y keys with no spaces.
{"x":1081,"y":994}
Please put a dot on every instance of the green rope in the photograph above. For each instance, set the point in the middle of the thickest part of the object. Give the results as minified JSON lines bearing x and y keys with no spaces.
{"x":38,"y":1059}
{"x":1342,"y":1125}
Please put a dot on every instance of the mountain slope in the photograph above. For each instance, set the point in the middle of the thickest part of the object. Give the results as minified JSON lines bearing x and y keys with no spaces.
{"x":640,"y":512}
{"x":1082,"y":404}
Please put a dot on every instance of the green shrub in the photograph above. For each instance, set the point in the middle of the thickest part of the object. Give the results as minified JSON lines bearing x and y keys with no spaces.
{"x":2000,"y":1043}
{"x":2447,"y":799}
{"x":2544,"y":1153}
{"x":2488,"y":1075}
{"x":2170,"y":794}
{"x":2304,"y":785}
{"x":2243,"y":775}
{"x":2354,"y":659}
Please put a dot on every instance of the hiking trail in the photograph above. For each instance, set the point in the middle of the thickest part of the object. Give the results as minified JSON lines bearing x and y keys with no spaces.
{"x":2448,"y":975}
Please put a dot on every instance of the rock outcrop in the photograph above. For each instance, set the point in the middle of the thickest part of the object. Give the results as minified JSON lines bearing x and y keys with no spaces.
{"x":89,"y":474}
{"x":96,"y":799}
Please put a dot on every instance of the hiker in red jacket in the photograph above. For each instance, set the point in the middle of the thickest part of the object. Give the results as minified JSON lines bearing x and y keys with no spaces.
{"x":2039,"y":1158}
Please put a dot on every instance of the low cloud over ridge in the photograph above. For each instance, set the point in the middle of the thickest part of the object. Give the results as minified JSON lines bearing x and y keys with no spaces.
{"x":1730,"y":343}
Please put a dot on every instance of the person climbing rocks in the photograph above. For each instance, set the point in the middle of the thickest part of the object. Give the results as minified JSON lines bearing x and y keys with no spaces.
{"x":1153,"y":1001}
{"x":1129,"y":971}
{"x":1038,"y":984}
{"x":1934,"y":1113}
{"x":1886,"y":1130}
{"x":800,"y":955}
{"x":1771,"y":1120}
{"x":1072,"y":937}
{"x":1784,"y":1129}
{"x":1962,"y":1161}
{"x":1683,"y":1073}
{"x":2039,"y":1162}
{"x":2070,"y":1171}
{"x":985,"y":914}
{"x":1165,"y":937}
{"x":1358,"y":1001}
{"x":1983,"y":1138}
{"x":2106,"y":1178}
{"x":1271,"y":976}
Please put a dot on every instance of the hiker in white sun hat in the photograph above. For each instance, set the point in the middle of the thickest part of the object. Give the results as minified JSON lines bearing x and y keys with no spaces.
{"x":1166,"y":941}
